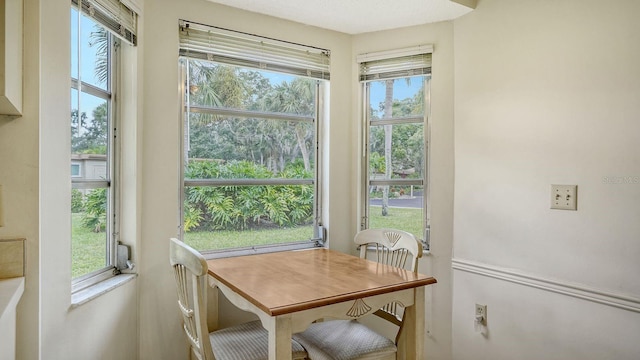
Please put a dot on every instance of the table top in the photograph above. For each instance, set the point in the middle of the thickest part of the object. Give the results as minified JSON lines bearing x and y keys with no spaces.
{"x":286,"y":282}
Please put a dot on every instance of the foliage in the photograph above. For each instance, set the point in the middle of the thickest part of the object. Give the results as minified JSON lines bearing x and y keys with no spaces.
{"x":192,"y":217}
{"x":268,"y":142}
{"x":96,"y":209}
{"x":89,"y":136}
{"x":77,"y":201}
{"x":399,"y":218}
{"x":407,"y":150}
{"x":228,"y":147}
{"x":376,"y":163}
{"x":245,"y":207}
{"x":100,"y":39}
{"x":88,"y":250}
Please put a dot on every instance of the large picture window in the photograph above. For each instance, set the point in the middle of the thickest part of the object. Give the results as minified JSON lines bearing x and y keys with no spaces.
{"x":251,"y":147}
{"x":395,"y":86}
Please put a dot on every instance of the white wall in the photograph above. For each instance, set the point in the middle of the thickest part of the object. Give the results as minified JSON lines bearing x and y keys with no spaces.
{"x":160,"y":330}
{"x":19,"y":177}
{"x":103,"y":328}
{"x":547,"y":92}
{"x":36,"y":197}
{"x":438,"y":263}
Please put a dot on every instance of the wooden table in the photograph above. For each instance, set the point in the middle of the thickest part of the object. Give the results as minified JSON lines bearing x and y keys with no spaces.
{"x":289,"y":290}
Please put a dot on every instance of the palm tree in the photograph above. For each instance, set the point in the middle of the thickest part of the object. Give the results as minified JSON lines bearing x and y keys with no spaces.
{"x":214,"y":86}
{"x":295,"y":97}
{"x":100,"y":39}
{"x":388,"y":135}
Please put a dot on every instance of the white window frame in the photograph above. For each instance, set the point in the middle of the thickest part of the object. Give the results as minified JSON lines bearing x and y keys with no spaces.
{"x":270,"y":62}
{"x":111,"y":182}
{"x":387,"y":65}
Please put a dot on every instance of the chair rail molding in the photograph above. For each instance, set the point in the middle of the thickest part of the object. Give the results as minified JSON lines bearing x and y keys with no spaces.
{"x":622,"y":301}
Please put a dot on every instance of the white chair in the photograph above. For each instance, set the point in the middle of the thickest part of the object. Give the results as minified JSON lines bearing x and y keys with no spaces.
{"x":349,"y":339}
{"x":249,"y":341}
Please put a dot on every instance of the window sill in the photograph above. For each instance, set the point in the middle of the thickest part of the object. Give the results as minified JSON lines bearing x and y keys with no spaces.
{"x":85,"y":295}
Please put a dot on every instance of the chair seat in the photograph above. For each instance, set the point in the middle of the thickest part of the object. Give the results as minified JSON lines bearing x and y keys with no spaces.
{"x":248,"y":341}
{"x":344,"y":340}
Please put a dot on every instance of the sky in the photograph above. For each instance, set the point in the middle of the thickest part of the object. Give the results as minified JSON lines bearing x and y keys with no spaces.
{"x":401,"y":90}
{"x":86,"y":59}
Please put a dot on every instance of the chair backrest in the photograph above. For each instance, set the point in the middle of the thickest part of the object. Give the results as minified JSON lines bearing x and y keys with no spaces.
{"x":392,"y":247}
{"x":190,"y":270}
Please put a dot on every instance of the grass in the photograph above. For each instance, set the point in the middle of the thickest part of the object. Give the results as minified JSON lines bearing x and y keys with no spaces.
{"x":407,"y":219}
{"x":223,"y":239}
{"x":398,"y":218}
{"x":89,"y":249}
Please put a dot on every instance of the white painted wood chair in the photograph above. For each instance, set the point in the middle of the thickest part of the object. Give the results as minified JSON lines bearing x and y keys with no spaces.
{"x":350,"y":339}
{"x":249,"y":341}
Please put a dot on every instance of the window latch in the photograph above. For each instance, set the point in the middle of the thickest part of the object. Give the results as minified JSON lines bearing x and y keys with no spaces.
{"x":124,"y":261}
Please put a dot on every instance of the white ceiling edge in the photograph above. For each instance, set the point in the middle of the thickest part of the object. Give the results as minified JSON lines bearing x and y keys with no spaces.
{"x":357,"y":16}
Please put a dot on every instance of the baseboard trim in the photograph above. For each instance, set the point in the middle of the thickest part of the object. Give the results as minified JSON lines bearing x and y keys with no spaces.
{"x":580,"y":291}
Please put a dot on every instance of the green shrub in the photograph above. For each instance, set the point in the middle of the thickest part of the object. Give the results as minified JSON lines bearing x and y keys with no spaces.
{"x":244,"y":207}
{"x":77,"y":201}
{"x":95,"y":210}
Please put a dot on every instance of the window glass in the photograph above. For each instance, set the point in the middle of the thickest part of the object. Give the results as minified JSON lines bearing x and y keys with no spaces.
{"x":91,"y":148}
{"x":219,"y":85}
{"x":89,"y":125}
{"x":75,"y":170}
{"x":249,"y":157}
{"x":92,"y":56}
{"x":89,"y":245}
{"x":396,"y":155}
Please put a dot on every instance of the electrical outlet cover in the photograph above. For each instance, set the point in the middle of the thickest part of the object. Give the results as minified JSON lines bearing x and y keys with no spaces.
{"x":481,"y":310}
{"x":564,"y":197}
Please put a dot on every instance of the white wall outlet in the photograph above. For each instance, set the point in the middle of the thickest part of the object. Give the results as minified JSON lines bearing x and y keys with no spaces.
{"x":481,"y":312}
{"x":564,"y":197}
{"x":480,"y":321}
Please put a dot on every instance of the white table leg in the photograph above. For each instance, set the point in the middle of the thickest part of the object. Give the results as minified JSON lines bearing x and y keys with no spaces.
{"x":280,"y":338}
{"x":212,"y":308}
{"x":414,"y":327}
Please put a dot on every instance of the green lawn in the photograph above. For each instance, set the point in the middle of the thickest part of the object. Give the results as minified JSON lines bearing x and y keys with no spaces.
{"x":89,"y":251}
{"x":88,"y":248}
{"x":215,"y":240}
{"x":406,"y":219}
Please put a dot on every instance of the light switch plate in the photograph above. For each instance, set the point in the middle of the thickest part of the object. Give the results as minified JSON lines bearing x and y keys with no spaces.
{"x":564,"y":197}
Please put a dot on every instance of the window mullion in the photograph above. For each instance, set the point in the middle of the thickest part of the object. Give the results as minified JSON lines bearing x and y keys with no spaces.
{"x":248,"y":113}
{"x":398,"y":120}
{"x":247,"y":182}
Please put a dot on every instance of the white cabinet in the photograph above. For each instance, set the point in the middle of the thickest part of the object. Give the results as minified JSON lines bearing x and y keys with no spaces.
{"x":11,"y":57}
{"x":10,"y":293}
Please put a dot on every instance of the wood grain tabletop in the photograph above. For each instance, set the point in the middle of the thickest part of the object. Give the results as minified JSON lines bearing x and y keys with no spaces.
{"x":285,"y":282}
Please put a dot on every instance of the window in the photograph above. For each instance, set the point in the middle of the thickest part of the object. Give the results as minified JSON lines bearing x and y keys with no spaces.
{"x":94,"y":124}
{"x":75,"y":170}
{"x":251,"y":129}
{"x":395,"y":193}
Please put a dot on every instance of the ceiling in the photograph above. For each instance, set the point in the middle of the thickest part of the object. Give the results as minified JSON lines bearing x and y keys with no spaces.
{"x":356,"y":16}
